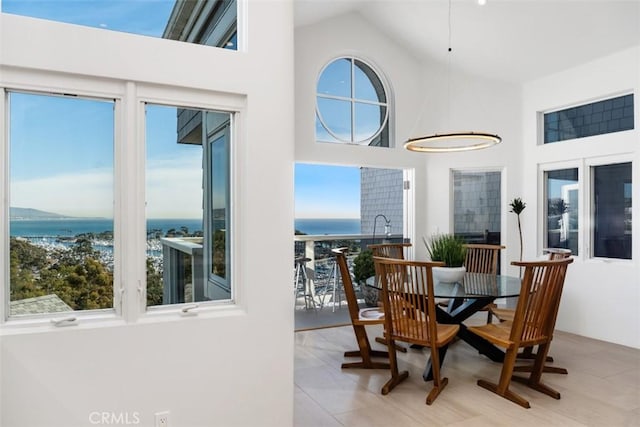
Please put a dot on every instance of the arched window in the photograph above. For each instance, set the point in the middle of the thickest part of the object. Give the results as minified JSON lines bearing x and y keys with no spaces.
{"x":351,"y":104}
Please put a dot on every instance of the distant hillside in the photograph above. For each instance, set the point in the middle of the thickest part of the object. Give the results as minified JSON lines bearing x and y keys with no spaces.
{"x":28,"y":213}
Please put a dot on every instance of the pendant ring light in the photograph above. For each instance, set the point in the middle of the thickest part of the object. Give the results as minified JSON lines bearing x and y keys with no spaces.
{"x":452,"y":141}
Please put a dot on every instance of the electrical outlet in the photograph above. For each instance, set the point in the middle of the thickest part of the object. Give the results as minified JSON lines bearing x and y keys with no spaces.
{"x":162,"y":419}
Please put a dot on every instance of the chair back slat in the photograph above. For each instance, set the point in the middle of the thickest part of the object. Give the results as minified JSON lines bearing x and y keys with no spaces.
{"x":347,"y":283}
{"x":389,"y":250}
{"x":407,"y":294}
{"x":482,"y":258}
{"x":539,"y":300}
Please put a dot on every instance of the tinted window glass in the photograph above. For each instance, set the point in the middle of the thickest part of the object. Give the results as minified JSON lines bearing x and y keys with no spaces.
{"x":612,"y":211}
{"x":611,"y":115}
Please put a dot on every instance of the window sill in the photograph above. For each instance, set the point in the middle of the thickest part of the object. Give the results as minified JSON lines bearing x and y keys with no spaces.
{"x":208,"y":310}
{"x":17,"y":326}
{"x":88,"y":320}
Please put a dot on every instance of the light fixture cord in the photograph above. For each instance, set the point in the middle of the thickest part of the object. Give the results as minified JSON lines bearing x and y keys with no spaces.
{"x":425,"y":99}
{"x":449,"y":50}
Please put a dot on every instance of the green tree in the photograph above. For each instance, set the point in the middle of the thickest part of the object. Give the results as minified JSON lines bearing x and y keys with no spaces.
{"x":219,"y":254}
{"x":154,"y":284}
{"x":25,"y":263}
{"x":77,"y":276}
{"x":557,"y":206}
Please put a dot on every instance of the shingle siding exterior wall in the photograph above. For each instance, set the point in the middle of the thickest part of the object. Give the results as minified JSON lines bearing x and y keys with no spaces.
{"x":596,"y":118}
{"x":476,"y":202}
{"x":381,"y":193}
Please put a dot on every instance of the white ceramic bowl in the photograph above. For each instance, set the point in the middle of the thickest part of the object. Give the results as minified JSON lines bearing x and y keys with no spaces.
{"x":448,"y":274}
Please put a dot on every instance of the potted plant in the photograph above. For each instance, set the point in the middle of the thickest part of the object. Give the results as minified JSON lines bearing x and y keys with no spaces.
{"x":363,"y":268}
{"x":450,"y":250}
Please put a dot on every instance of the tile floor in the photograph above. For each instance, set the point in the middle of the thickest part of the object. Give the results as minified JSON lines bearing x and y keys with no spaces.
{"x":602,"y":388}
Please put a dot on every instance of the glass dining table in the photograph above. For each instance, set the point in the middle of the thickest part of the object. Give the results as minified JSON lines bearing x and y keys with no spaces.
{"x":467,"y":297}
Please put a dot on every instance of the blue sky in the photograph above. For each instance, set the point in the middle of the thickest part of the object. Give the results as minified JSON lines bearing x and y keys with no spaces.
{"x":173,"y":173}
{"x":64,"y":164}
{"x":61,"y":154}
{"x":62,"y":161}
{"x":323,"y":191}
{"x":145,"y":17}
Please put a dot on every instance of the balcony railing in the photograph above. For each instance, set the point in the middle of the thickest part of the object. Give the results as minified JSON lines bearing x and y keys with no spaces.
{"x":183,"y":274}
{"x":318,"y":247}
{"x":320,"y":267}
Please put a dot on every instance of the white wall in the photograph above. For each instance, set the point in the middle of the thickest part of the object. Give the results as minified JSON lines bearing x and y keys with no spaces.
{"x":223,"y":367}
{"x":476,"y":104}
{"x":601,"y":298}
{"x":345,"y":35}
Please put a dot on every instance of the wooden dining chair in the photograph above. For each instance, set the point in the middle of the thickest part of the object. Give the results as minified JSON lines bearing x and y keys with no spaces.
{"x":528,"y":353}
{"x":360,"y":318}
{"x":506,"y":314}
{"x":389,"y":250}
{"x":481,"y":258}
{"x":410,"y":316}
{"x":533,"y":324}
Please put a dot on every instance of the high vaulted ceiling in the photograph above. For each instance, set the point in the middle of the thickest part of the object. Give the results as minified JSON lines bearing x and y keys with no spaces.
{"x":513,"y":40}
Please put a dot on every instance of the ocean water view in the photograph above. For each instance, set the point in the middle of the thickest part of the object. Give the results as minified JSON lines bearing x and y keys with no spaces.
{"x":321,"y":226}
{"x":53,"y":234}
{"x":75,"y":226}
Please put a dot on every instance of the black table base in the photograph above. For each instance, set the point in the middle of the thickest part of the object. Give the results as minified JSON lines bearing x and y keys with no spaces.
{"x":459,"y":310}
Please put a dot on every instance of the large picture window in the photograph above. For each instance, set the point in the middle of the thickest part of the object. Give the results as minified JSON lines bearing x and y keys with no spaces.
{"x":64,"y":249}
{"x":61,"y":204}
{"x":351,"y":104}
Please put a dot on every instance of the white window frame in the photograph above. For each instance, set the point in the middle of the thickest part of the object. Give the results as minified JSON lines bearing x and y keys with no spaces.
{"x":585,"y":201}
{"x":540,"y":117}
{"x":543,"y":198}
{"x":5,"y":179}
{"x":129,"y":280}
{"x":503,"y":198}
{"x":352,"y":101}
{"x":589,"y":163}
{"x":213,"y":280}
{"x":503,"y":201}
{"x":236,"y":106}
